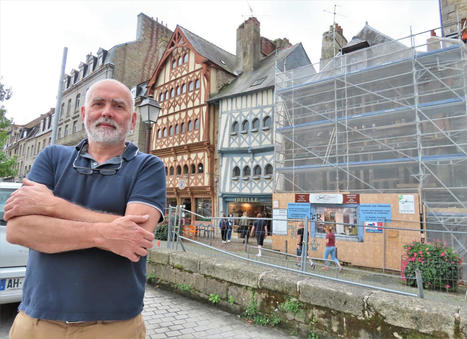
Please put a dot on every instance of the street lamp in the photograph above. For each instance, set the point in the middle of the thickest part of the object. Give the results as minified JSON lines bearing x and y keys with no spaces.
{"x":149,"y":110}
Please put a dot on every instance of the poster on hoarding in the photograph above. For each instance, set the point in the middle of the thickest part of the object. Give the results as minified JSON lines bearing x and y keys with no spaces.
{"x":406,"y":204}
{"x":373,"y":226}
{"x":279,"y":217}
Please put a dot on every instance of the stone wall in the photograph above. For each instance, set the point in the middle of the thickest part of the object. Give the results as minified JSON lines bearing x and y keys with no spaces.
{"x":327,"y":309}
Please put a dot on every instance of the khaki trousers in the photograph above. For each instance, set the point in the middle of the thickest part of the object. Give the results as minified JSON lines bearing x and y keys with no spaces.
{"x":26,"y":327}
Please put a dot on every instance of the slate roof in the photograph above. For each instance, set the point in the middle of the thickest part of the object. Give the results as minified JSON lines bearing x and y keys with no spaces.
{"x":263,"y":76}
{"x":215,"y":54}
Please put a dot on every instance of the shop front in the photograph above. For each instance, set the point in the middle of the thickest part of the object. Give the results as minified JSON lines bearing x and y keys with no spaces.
{"x":237,"y":205}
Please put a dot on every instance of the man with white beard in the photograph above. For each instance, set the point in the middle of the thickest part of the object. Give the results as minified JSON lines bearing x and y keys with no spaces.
{"x":88,"y":213}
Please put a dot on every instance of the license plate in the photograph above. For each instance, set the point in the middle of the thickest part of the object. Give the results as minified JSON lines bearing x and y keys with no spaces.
{"x":11,"y":284}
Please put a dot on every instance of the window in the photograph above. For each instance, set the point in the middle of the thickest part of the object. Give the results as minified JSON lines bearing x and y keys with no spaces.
{"x":164,"y":132}
{"x":59,"y":132}
{"x":180,"y":60}
{"x":190,"y":126}
{"x":185,"y":58}
{"x":177,"y":129}
{"x":196,"y":124}
{"x":75,"y":125}
{"x":257,"y":170}
{"x":200,"y":168}
{"x":166,"y":171}
{"x":197,"y":83}
{"x":267,"y":122}
{"x":183,"y":88}
{"x":78,"y":97}
{"x":68,"y":108}
{"x":255,"y":124}
{"x":183,"y":128}
{"x":246,"y":171}
{"x":179,"y":170}
{"x":190,"y":86}
{"x":166,"y":95}
{"x":171,"y":171}
{"x":171,"y":130}
{"x":203,"y":209}
{"x":245,"y":126}
{"x":172,"y":92}
{"x":174,"y":63}
{"x":343,"y":220}
{"x":62,"y":110}
{"x":236,"y":172}
{"x":268,"y":170}
{"x":161,"y":97}
{"x":185,"y":169}
{"x":159,"y":133}
{"x":49,"y":121}
{"x":65,"y":131}
{"x":178,"y":90}
{"x":193,"y":169}
{"x":234,"y":129}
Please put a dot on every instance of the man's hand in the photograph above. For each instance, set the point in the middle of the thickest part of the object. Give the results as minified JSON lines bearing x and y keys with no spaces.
{"x":124,"y":236}
{"x":32,"y":198}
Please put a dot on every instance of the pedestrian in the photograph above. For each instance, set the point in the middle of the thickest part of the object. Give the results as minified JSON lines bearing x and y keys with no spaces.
{"x":230,"y":222}
{"x":300,"y":244}
{"x":260,"y":229}
{"x":223,"y":227}
{"x":330,"y":248}
{"x":244,"y":226}
{"x":88,"y":214}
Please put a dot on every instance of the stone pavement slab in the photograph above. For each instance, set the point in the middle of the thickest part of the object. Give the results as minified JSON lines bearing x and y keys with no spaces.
{"x":169,"y":315}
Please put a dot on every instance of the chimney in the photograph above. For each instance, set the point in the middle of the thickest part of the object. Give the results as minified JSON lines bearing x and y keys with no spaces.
{"x":248,"y":44}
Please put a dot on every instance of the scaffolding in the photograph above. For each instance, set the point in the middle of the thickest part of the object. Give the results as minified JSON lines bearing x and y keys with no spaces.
{"x":390,"y":118}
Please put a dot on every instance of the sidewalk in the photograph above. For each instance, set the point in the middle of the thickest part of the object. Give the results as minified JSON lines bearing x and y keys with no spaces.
{"x":169,"y":315}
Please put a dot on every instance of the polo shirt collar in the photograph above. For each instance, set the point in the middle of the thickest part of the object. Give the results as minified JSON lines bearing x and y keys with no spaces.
{"x":128,"y":154}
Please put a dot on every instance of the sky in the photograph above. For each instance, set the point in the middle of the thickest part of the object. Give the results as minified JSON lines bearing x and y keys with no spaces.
{"x":33,"y":34}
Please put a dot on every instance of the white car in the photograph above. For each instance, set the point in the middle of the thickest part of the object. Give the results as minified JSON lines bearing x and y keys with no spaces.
{"x":13,"y":258}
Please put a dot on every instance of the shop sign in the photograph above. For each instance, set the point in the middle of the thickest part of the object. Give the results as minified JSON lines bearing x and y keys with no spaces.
{"x":301,"y":197}
{"x":351,"y":198}
{"x":300,"y":210}
{"x":246,"y":199}
{"x":406,"y":204}
{"x":279,"y":216}
{"x":326,"y":198}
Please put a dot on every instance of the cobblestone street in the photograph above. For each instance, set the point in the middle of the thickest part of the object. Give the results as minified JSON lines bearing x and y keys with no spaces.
{"x":168,"y":315}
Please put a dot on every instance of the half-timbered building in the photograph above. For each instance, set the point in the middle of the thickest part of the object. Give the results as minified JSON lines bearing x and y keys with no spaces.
{"x":184,"y":136}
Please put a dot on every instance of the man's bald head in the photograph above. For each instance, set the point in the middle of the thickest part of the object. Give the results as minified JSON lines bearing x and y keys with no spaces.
{"x":130,"y":99}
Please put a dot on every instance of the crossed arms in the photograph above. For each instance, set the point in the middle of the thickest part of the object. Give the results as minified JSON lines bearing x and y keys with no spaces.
{"x":43,"y":222}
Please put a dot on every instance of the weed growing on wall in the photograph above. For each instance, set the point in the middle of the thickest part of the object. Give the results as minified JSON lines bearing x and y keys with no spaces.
{"x":214,"y":298}
{"x":439,"y":265}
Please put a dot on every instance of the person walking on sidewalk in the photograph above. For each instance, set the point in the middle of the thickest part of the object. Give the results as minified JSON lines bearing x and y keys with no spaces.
{"x":330,"y":248}
{"x":260,"y":229}
{"x":230,"y":222}
{"x":300,"y":244}
{"x":223,"y":227}
{"x":87,"y":214}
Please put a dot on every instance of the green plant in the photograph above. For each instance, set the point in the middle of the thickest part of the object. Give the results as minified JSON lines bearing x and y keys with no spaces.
{"x":252,"y":308}
{"x":151,"y":278}
{"x":252,"y":313}
{"x":439,"y":265}
{"x":291,"y":305}
{"x":231,"y":300}
{"x":313,"y":335}
{"x":183,"y":287}
{"x":214,"y":298}
{"x":161,"y":232}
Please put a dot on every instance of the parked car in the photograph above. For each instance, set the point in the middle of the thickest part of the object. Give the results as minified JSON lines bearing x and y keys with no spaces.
{"x":13,"y":258}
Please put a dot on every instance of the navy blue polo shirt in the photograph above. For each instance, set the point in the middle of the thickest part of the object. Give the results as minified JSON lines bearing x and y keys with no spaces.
{"x":91,"y":284}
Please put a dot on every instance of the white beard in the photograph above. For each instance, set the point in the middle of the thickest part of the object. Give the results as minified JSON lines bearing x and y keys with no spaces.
{"x":106,"y":135}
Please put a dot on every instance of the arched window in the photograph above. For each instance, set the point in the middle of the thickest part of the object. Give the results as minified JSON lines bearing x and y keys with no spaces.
{"x":190,"y":86}
{"x":267,"y":122}
{"x":166,"y":171}
{"x":183,"y":128}
{"x":197,"y":83}
{"x":178,"y":90}
{"x":179,"y":170}
{"x":171,"y":171}
{"x":62,"y":110}
{"x":177,"y":129}
{"x":236,"y":172}
{"x":171,"y":131}
{"x":68,"y":108}
{"x":185,"y":58}
{"x":257,"y":170}
{"x":245,"y":126}
{"x":193,"y":169}
{"x":180,"y":60}
{"x":268,"y":170}
{"x":246,"y":171}
{"x":174,"y":63}
{"x":234,"y":127}
{"x":185,"y":169}
{"x":183,"y":88}
{"x":78,"y":97}
{"x":200,"y":168}
{"x":164,"y":132}
{"x":196,"y":124}
{"x":159,"y":133}
{"x":172,"y":92}
{"x":161,"y":97}
{"x":255,"y":124}
{"x":190,"y":126}
{"x":166,"y":95}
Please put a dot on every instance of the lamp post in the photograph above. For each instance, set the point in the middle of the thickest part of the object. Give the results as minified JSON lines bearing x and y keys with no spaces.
{"x":149,"y":110}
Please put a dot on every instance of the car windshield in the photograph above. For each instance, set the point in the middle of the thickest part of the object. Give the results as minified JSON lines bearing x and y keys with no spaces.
{"x":4,"y":194}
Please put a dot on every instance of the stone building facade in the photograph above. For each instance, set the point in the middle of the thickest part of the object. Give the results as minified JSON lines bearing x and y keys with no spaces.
{"x":453,"y":17}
